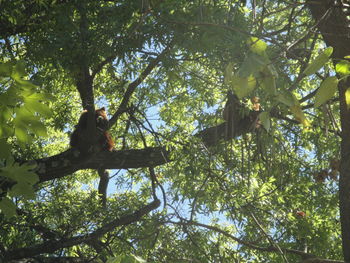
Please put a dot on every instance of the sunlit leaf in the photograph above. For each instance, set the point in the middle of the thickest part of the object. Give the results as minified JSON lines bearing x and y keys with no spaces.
{"x":343,"y":68}
{"x":326,"y":91}
{"x":41,"y":108}
{"x":23,"y":175}
{"x":318,"y":62}
{"x":114,"y":260}
{"x":264,"y":117}
{"x":139,"y":259}
{"x":27,"y":85}
{"x":286,"y":98}
{"x":21,"y":133}
{"x":10,"y":97}
{"x":256,"y":45}
{"x":243,"y":86}
{"x":128,"y":259}
{"x":18,"y":71}
{"x":347,"y":98}
{"x":299,"y":115}
{"x":38,"y":128}
{"x":268,"y":80}
{"x":23,"y":115}
{"x":252,"y":64}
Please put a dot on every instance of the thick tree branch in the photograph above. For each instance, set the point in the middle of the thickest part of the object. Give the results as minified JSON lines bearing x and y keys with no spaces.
{"x":70,"y":161}
{"x":52,"y":246}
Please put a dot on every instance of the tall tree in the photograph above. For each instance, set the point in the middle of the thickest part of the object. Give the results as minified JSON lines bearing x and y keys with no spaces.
{"x":230,"y":120}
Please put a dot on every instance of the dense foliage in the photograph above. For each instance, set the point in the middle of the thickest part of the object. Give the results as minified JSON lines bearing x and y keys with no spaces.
{"x":259,"y":186}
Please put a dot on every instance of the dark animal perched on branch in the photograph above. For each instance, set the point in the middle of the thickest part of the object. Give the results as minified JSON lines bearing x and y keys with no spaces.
{"x":237,"y":117}
{"x":232,"y":113}
{"x":80,"y":140}
{"x":238,"y":120}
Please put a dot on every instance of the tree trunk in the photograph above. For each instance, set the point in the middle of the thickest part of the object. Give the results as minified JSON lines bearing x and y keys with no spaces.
{"x":333,"y":26}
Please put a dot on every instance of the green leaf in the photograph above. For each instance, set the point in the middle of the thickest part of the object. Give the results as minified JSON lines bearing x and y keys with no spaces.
{"x":10,"y":97}
{"x":27,"y":85}
{"x":7,"y":207}
{"x":252,"y":64}
{"x":128,"y":259}
{"x":326,"y":91}
{"x":5,"y":149}
{"x":243,"y":86}
{"x":264,"y":117}
{"x":138,"y":259}
{"x":269,"y":85}
{"x":21,"y":133}
{"x":34,"y":105}
{"x":228,"y":73}
{"x":347,"y":98}
{"x":269,"y":80}
{"x":22,"y":189}
{"x":38,"y":128}
{"x":6,"y":69}
{"x":343,"y":68}
{"x":20,"y":173}
{"x":18,"y":71}
{"x":24,"y":176}
{"x":318,"y":62}
{"x":23,"y":117}
{"x":5,"y":113}
{"x":114,"y":260}
{"x":6,"y":130}
{"x":299,"y":115}
{"x":286,"y":98}
{"x":256,"y":45}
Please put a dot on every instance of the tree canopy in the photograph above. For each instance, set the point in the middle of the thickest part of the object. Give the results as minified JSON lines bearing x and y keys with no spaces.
{"x":231,"y":122}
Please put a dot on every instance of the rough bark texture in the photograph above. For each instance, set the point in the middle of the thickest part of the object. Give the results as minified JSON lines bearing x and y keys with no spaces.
{"x":335,"y":30}
{"x":70,"y":161}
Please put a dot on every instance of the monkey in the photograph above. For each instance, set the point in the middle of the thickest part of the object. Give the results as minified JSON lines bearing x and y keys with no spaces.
{"x":78,"y":138}
{"x":239,"y":118}
{"x":231,"y":113}
{"x":105,"y":142}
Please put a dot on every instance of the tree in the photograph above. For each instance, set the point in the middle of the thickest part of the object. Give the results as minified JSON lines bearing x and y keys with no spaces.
{"x":192,"y":180}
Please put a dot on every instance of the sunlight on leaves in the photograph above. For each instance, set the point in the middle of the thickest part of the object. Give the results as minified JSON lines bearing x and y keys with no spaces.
{"x":264,"y":117}
{"x":286,"y":98}
{"x":299,"y":115}
{"x":252,"y":64}
{"x":318,"y":62}
{"x":243,"y":86}
{"x":347,"y":98}
{"x":326,"y":91}
{"x":256,"y":45}
{"x":343,"y":68}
